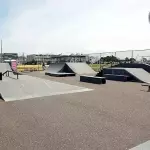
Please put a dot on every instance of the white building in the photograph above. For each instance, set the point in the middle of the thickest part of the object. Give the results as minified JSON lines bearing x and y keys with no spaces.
{"x":56,"y":58}
{"x":39,"y":58}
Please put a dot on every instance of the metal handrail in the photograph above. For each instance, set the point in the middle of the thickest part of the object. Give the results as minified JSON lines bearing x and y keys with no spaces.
{"x":7,"y":73}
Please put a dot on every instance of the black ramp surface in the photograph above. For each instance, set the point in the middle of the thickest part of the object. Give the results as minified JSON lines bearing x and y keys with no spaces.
{"x":92,"y":79}
{"x":55,"y":67}
{"x":60,"y":74}
{"x":146,"y":67}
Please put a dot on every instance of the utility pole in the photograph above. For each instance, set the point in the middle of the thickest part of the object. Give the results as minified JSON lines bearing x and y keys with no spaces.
{"x":23,"y":58}
{"x":1,"y":52}
{"x":149,"y":17}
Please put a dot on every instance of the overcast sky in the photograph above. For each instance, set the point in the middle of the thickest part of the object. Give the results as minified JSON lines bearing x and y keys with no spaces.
{"x":69,"y":26}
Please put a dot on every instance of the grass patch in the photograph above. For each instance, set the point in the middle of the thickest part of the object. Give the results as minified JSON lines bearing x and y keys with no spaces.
{"x":96,"y":67}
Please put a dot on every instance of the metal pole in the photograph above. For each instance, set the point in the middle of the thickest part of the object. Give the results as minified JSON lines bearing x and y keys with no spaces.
{"x":132,"y":54}
{"x":132,"y":57}
{"x":1,"y":52}
{"x":100,"y":63}
{"x":115,"y":58}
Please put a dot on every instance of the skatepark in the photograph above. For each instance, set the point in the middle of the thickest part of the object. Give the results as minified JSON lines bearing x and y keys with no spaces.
{"x":44,"y":111}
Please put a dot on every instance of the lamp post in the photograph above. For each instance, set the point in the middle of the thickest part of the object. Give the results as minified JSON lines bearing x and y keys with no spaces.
{"x":1,"y":52}
{"x":149,"y":17}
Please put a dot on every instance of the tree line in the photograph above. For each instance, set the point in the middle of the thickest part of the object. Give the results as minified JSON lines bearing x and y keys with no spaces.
{"x":111,"y":59}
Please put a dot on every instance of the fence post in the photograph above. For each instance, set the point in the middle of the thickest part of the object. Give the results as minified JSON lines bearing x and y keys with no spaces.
{"x":132,"y":56}
{"x":1,"y":75}
{"x":115,"y":59}
{"x":100,"y":63}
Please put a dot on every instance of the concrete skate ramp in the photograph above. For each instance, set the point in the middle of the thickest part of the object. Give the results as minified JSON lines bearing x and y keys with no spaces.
{"x":4,"y":67}
{"x":81,"y":68}
{"x":135,"y":74}
{"x":71,"y":68}
{"x":59,"y":70}
{"x":55,"y":67}
{"x":140,"y":74}
{"x":27,"y":87}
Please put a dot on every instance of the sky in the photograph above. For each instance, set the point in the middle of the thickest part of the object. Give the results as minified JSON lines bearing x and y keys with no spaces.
{"x":74,"y":26}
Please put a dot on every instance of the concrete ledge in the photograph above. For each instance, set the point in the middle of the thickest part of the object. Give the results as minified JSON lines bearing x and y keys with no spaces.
{"x":148,"y":85}
{"x":54,"y":74}
{"x":123,"y":78}
{"x":93,"y":79}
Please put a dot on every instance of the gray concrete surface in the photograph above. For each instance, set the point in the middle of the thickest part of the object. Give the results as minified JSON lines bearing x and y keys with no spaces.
{"x":4,"y":67}
{"x":140,"y":74}
{"x":114,"y":116}
{"x":27,"y":87}
{"x":81,"y":68}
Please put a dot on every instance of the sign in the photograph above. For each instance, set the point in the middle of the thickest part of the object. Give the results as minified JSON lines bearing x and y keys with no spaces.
{"x":14,"y":65}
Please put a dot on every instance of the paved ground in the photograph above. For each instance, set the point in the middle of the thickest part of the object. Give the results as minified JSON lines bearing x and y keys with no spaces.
{"x":114,"y":116}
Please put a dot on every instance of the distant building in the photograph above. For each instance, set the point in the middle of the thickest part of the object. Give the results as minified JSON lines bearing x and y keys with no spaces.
{"x":39,"y":58}
{"x":22,"y":59}
{"x":68,"y":58}
{"x":56,"y":58}
{"x":9,"y":56}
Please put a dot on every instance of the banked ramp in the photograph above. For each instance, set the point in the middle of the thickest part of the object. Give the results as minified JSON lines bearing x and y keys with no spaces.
{"x":139,"y":74}
{"x":135,"y":74}
{"x":56,"y":67}
{"x":81,"y":68}
{"x":27,"y":87}
{"x":4,"y":67}
{"x":70,"y":68}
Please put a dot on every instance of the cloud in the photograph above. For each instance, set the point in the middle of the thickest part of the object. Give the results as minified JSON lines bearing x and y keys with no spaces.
{"x":62,"y":26}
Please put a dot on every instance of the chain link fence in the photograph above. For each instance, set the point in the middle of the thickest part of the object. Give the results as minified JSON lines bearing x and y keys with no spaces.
{"x":107,"y":59}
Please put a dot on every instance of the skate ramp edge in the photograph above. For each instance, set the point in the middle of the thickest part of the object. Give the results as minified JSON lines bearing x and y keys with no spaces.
{"x":1,"y":97}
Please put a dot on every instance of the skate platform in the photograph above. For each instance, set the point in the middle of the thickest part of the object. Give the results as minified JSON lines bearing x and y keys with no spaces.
{"x":93,"y":79}
{"x":59,"y":74}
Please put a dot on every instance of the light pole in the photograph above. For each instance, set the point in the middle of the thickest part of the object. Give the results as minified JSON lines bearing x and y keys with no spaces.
{"x":1,"y":52}
{"x":149,"y":17}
